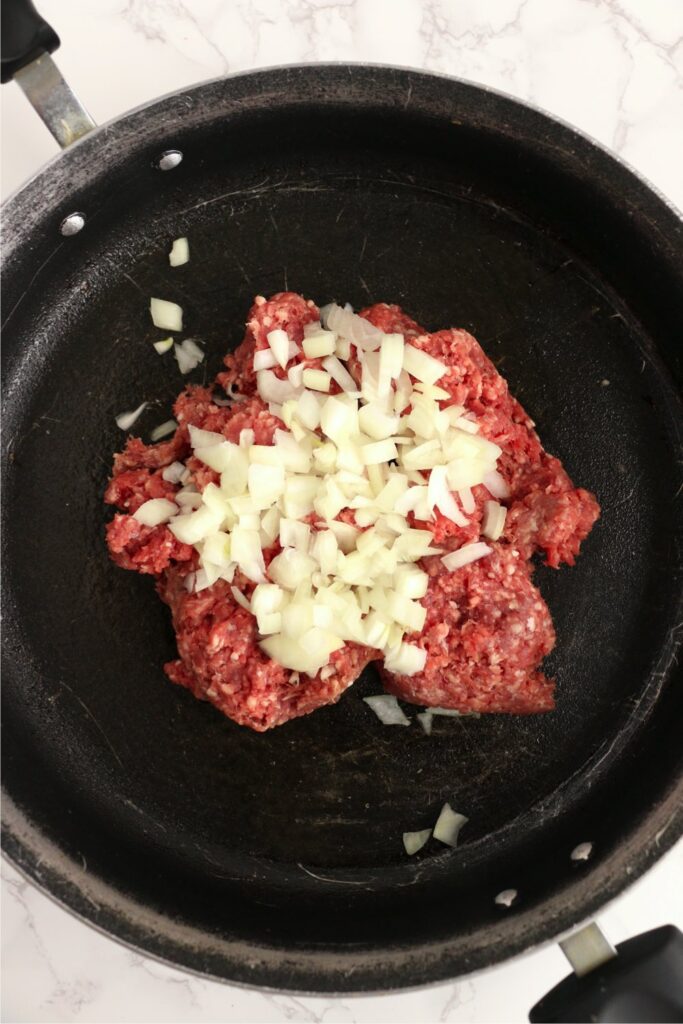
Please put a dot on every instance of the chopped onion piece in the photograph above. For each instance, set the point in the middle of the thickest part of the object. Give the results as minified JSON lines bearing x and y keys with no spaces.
{"x":269,"y":623}
{"x":425,"y":720}
{"x":387,"y":709}
{"x":439,"y":496}
{"x":466,"y":554}
{"x":343,"y":349}
{"x":173,"y":473}
{"x":338,"y":420}
{"x":320,"y":344}
{"x":160,"y":347}
{"x":414,"y":841}
{"x":188,"y":499}
{"x":308,"y":410}
{"x":467,"y":500}
{"x":240,"y":598}
{"x":339,"y":373}
{"x":204,"y":438}
{"x":295,"y":534}
{"x":448,"y":825}
{"x":267,"y":598}
{"x":155,"y":511}
{"x":246,"y":551}
{"x":406,"y":661}
{"x":496,"y":485}
{"x":125,"y":420}
{"x":192,"y":528}
{"x":180,"y":252}
{"x":264,"y":359}
{"x":272,"y":389}
{"x":348,"y":324}
{"x":494,"y":520}
{"x":422,"y":366}
{"x":163,"y":430}
{"x":188,"y":355}
{"x":217,"y":549}
{"x":279,"y":346}
{"x":317,"y":380}
{"x":379,"y":452}
{"x":375,"y":422}
{"x":166,"y":315}
{"x":265,"y":484}
{"x":466,"y":424}
{"x":291,"y":567}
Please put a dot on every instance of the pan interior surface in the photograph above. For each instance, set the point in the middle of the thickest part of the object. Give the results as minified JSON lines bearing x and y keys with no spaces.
{"x":279,"y":850}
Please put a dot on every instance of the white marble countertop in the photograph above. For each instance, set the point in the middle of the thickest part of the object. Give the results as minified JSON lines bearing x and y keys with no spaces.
{"x":612,"y":67}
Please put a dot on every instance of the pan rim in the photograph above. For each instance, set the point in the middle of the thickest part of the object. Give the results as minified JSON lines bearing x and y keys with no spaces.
{"x":269,"y":69}
{"x":668,"y":826}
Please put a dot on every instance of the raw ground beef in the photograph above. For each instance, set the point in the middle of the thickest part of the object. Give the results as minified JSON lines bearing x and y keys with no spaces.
{"x":487,"y":627}
{"x":220,"y":660}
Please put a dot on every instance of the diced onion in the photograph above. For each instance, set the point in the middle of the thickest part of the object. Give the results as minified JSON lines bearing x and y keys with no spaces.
{"x":166,"y":315}
{"x":264,"y":359}
{"x":180,"y":252}
{"x":317,"y":380}
{"x":272,"y":389}
{"x":406,"y":661}
{"x":240,"y":598}
{"x":467,"y":500}
{"x":173,"y":473}
{"x":448,"y":825}
{"x":496,"y":485}
{"x":204,"y":438}
{"x":320,"y":344}
{"x":192,"y":528}
{"x":414,"y":841}
{"x":290,"y":568}
{"x":422,"y":366}
{"x":155,"y":511}
{"x":188,"y":355}
{"x":125,"y":420}
{"x":465,"y":555}
{"x":494,"y":520}
{"x":279,"y":346}
{"x":163,"y":430}
{"x":425,"y":719}
{"x":387,"y":710}
{"x":160,"y":347}
{"x":339,"y":373}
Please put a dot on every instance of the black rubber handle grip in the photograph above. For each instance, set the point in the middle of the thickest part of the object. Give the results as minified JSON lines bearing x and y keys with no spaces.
{"x":643,"y":983}
{"x":25,"y":35}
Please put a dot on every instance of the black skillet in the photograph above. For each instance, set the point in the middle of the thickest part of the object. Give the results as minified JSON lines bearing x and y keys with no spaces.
{"x":276,"y":859}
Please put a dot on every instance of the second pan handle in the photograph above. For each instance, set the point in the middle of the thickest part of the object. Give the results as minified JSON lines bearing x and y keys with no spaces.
{"x":27,"y":42}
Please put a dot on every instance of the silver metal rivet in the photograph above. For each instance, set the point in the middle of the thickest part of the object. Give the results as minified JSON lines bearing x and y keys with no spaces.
{"x":582,"y":851}
{"x":169,"y":159}
{"x":506,"y":898}
{"x":72,"y":224}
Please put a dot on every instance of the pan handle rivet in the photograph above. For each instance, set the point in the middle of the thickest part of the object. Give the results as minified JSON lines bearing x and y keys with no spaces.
{"x":582,"y":851}
{"x":506,"y":898}
{"x":169,"y":159}
{"x":72,"y":224}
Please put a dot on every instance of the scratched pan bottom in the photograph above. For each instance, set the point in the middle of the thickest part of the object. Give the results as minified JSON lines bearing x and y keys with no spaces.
{"x":277,"y":858}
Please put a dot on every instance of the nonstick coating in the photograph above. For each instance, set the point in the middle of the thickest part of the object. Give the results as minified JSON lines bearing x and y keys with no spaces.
{"x":277,"y":859}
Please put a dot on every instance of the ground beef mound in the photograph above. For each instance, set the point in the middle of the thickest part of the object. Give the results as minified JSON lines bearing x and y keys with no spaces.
{"x":487,"y":627}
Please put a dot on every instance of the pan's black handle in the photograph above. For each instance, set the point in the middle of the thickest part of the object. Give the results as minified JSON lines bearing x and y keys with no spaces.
{"x":643,"y":983}
{"x":27,"y":42}
{"x":25,"y":36}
